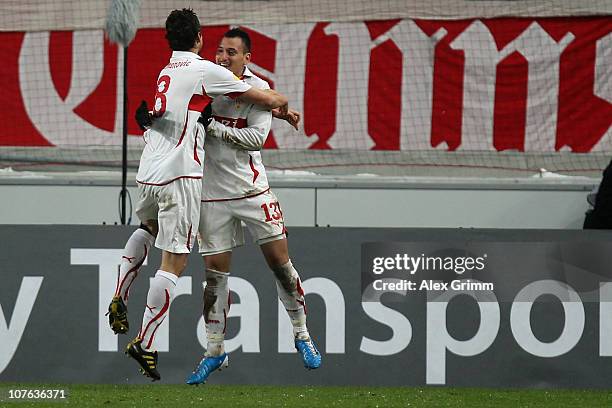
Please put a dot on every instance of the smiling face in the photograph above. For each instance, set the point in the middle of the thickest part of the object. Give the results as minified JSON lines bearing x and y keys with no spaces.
{"x":231,"y":55}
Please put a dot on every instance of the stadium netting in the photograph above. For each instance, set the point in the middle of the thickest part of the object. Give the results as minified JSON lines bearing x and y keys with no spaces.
{"x":444,"y":88}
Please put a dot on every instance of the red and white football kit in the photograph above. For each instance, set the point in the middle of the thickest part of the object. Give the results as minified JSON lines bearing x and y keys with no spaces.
{"x":235,"y":186}
{"x":170,"y":170}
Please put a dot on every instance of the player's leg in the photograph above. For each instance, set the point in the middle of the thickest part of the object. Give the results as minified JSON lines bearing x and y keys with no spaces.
{"x":159,"y":297}
{"x":291,"y":294}
{"x":216,"y":301}
{"x":268,"y":228}
{"x":178,"y":214}
{"x":216,"y":310}
{"x":219,"y":233}
{"x":134,"y":254}
{"x":288,"y":284}
{"x":161,"y":293}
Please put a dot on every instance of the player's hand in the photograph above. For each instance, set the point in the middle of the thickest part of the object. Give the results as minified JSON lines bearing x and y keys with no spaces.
{"x":291,"y":116}
{"x":143,"y":117}
{"x":284,"y":109}
{"x":206,"y":115}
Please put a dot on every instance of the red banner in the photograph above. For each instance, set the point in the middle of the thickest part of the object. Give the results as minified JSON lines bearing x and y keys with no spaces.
{"x":537,"y":85}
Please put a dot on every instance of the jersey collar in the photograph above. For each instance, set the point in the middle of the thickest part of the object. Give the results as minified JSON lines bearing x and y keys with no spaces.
{"x":184,"y":54}
{"x":246,"y":73}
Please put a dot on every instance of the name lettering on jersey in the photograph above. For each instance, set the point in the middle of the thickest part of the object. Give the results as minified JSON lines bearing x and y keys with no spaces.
{"x":178,"y":64}
{"x":238,"y":123}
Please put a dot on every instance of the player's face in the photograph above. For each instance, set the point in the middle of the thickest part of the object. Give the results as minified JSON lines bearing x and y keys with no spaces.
{"x":231,"y":55}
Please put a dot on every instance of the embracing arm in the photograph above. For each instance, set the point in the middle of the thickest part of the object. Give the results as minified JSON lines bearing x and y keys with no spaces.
{"x":267,"y":98}
{"x":251,"y":137}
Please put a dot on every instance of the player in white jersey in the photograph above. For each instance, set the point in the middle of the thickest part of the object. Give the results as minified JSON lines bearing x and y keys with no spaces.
{"x":169,"y":177}
{"x":235,"y":190}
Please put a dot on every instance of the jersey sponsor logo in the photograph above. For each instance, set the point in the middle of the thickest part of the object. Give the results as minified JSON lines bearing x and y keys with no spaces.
{"x":238,"y":123}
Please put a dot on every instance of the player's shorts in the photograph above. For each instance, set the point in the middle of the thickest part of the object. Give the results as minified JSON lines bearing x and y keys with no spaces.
{"x":221,"y":222}
{"x":176,"y":207}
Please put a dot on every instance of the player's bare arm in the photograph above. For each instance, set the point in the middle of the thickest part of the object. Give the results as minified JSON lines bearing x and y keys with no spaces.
{"x":267,"y":98}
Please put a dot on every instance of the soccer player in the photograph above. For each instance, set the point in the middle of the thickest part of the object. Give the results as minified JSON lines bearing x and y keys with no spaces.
{"x":169,"y":177}
{"x":235,"y":189}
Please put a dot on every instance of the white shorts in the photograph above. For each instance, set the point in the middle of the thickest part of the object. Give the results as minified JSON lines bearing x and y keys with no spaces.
{"x":221,"y":222}
{"x":176,"y":207}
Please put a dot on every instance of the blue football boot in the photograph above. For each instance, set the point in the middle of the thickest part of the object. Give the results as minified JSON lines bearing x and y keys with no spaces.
{"x":206,"y":366}
{"x":309,"y":353}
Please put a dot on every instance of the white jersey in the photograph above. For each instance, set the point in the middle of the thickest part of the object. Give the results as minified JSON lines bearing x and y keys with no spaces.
{"x":233,"y":167}
{"x":173,"y":147}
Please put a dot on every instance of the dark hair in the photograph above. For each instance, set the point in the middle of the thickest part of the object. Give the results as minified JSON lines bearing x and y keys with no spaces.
{"x":238,"y":33}
{"x":182,"y":28}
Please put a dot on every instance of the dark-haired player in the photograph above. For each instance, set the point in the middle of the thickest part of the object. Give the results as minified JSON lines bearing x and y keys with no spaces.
{"x":169,"y":177}
{"x":235,"y":191}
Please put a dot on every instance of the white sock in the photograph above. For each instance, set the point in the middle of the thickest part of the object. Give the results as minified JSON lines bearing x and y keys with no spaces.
{"x":159,"y":298}
{"x":290,"y":292}
{"x":216,"y":309}
{"x":134,"y":255}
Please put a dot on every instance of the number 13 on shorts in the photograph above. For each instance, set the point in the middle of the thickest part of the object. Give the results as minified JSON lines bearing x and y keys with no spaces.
{"x":272,"y":211}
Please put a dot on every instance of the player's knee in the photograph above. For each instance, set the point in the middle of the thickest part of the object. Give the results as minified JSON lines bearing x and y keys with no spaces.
{"x":215,"y":266}
{"x":218,"y":262}
{"x":150,"y":226}
{"x":173,"y":262}
{"x":215,"y":278}
{"x":286,"y":275}
{"x":276,"y":253}
{"x":276,"y":260}
{"x":180,"y":262}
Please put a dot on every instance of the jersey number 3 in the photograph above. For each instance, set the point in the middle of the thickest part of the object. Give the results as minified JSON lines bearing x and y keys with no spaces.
{"x":163,"y":83}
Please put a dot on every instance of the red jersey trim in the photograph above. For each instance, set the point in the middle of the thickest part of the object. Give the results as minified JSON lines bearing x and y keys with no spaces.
{"x":236,"y":198}
{"x":198,"y":102}
{"x":195,"y":148}
{"x":184,"y":129}
{"x":168,"y":182}
{"x":189,"y":238}
{"x":253,"y":169}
